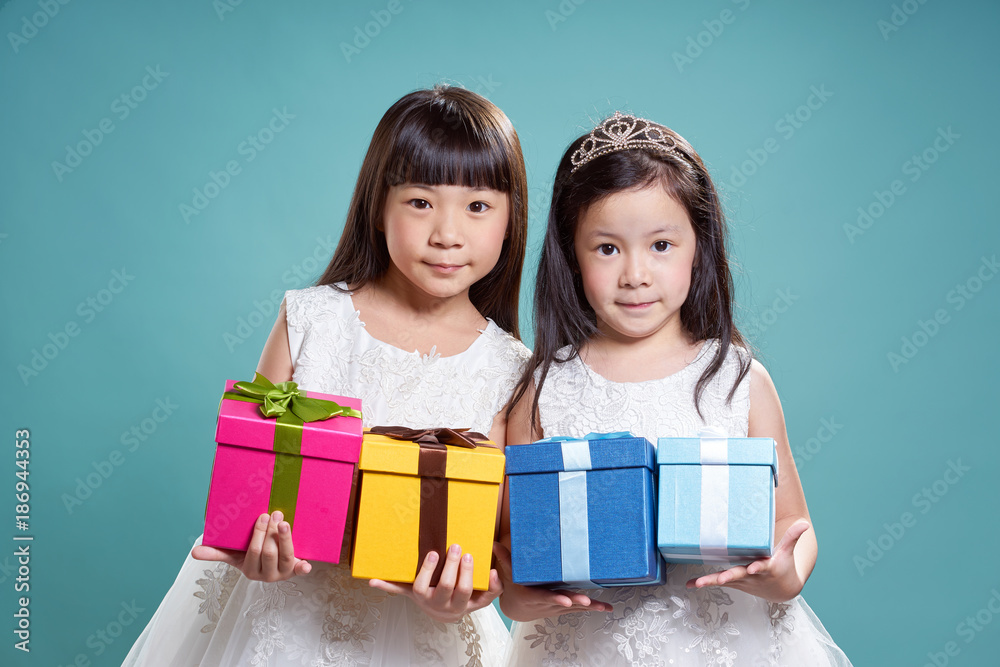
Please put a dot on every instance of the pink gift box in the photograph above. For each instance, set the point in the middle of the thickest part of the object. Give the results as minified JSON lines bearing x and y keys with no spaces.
{"x":240,"y":489}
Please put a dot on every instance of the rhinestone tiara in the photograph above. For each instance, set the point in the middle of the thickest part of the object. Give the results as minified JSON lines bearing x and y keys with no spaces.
{"x":618,"y":133}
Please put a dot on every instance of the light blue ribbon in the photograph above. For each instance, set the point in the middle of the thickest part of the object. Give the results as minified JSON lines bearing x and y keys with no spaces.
{"x":574,"y":529}
{"x":574,"y":522}
{"x":714,"y":530}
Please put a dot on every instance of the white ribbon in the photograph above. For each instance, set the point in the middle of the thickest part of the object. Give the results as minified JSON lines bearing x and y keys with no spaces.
{"x":714,"y":538}
{"x":574,"y":529}
{"x":576,"y":454}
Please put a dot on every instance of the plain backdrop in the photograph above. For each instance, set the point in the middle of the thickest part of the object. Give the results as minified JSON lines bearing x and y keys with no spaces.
{"x":854,"y":144}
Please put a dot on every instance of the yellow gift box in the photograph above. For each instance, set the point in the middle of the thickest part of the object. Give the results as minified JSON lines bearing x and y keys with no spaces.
{"x":424,"y":490}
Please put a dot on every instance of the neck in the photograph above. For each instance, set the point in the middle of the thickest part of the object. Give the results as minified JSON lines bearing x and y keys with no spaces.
{"x":394,"y":288}
{"x":625,"y":359}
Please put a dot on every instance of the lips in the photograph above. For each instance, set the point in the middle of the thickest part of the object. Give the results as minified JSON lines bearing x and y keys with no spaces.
{"x":444,"y":267}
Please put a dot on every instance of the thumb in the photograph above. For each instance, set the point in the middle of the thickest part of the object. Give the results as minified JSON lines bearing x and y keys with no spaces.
{"x":792,"y":535}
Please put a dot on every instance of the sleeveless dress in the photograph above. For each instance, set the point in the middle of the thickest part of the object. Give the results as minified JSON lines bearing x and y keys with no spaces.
{"x":668,"y":624}
{"x":213,"y":615}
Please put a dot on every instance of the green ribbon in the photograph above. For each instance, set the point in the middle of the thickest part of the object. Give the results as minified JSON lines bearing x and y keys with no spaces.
{"x":291,"y":409}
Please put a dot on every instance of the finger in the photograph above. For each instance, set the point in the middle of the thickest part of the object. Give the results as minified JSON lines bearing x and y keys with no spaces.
{"x":302,"y":567}
{"x":463,"y":590}
{"x":759,"y":567}
{"x":391,"y":587}
{"x":230,"y":556}
{"x":269,"y":552}
{"x":449,"y":575}
{"x":286,"y":550}
{"x":791,"y":537}
{"x":481,"y":599}
{"x":731,"y":575}
{"x":422,"y":582}
{"x":251,"y":564}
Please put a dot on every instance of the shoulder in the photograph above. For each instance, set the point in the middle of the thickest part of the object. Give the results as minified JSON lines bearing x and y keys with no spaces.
{"x":765,"y":406}
{"x":505,"y":345}
{"x":308,"y":305}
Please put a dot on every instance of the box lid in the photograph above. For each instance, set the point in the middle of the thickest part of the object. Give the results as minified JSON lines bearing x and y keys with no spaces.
{"x":241,"y":424}
{"x":596,"y":451}
{"x":380,"y":453}
{"x":718,"y":451}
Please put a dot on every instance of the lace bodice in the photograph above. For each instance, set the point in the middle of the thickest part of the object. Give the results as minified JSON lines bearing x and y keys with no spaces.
{"x":333,"y":353}
{"x":575,"y":400}
{"x":214,"y":616}
{"x":668,"y":624}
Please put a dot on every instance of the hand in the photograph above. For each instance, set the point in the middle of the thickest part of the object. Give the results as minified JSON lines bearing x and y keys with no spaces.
{"x":775,"y":579}
{"x":453,"y":597}
{"x":529,"y":603}
{"x":270,"y":556}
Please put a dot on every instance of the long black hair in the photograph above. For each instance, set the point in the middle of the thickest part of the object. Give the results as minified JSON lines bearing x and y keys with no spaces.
{"x":562,"y":315}
{"x":439,"y":136}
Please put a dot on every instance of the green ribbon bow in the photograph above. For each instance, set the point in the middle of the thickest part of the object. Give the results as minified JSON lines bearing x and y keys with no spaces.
{"x":277,"y":399}
{"x":291,"y":409}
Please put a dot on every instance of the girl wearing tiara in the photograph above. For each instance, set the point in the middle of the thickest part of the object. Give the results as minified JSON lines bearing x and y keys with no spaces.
{"x":635,"y":331}
{"x":416,"y":315}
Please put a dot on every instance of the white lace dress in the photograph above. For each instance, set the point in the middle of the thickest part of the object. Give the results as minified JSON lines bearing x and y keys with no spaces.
{"x":213,"y":615}
{"x":668,"y":624}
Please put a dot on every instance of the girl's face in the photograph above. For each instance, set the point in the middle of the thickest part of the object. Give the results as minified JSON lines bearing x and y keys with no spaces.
{"x":635,"y":249}
{"x":444,"y":238}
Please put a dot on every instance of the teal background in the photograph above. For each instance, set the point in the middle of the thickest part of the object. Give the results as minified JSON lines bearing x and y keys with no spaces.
{"x":844,"y":306}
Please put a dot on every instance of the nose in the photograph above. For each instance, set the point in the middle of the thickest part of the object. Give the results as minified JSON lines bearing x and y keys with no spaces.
{"x":447,"y":230}
{"x":635,"y":272}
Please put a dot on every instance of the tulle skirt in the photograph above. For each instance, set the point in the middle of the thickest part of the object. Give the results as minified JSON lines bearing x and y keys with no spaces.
{"x":672,"y":625}
{"x":213,"y":615}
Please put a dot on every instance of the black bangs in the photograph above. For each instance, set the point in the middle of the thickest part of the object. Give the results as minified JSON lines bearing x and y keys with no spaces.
{"x":439,"y":145}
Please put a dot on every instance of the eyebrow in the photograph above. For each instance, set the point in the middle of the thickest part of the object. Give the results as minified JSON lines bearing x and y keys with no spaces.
{"x":668,"y":229}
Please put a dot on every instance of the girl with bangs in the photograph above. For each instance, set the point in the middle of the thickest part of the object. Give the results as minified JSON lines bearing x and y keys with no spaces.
{"x":416,"y":314}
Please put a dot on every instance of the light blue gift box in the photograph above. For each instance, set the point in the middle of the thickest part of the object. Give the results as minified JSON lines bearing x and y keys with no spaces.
{"x":716,"y":498}
{"x":582,"y":512}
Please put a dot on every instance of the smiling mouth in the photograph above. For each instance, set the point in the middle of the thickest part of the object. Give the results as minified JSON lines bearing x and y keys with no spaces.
{"x":445,"y":268}
{"x":636,"y":306}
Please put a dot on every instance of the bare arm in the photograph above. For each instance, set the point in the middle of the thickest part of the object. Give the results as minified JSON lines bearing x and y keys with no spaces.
{"x":527,"y":603}
{"x":270,"y":555}
{"x":781,"y":577}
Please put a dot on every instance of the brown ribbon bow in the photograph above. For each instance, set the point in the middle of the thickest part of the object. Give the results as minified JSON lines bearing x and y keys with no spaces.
{"x":431,"y":468}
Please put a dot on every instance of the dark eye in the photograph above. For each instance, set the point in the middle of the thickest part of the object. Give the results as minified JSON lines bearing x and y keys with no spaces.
{"x":479,"y":207}
{"x":661,"y":246}
{"x":419,"y":203}
{"x":606,"y":249}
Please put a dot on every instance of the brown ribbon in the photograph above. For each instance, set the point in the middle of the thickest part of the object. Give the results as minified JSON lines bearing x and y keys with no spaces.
{"x":432,"y":465}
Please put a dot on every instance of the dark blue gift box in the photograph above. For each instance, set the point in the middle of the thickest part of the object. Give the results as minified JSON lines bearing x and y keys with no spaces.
{"x":582,"y":512}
